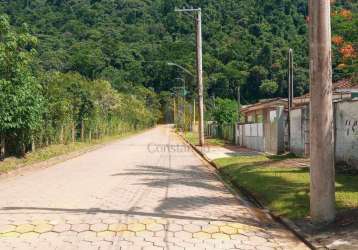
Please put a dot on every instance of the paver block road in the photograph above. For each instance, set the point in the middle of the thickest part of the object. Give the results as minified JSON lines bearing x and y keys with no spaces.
{"x":149,"y":191}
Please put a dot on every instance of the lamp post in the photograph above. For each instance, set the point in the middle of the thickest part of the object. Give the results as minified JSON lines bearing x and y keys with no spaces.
{"x":199,"y":64}
{"x":181,"y":67}
{"x":184,"y":94}
{"x":186,"y":71}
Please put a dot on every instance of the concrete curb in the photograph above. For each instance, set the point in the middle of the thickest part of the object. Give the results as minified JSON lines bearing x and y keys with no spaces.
{"x":291,"y":226}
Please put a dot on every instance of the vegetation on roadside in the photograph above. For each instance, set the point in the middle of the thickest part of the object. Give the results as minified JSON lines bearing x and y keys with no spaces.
{"x":41,"y":108}
{"x":284,"y":183}
{"x":222,"y":111}
{"x":193,"y":138}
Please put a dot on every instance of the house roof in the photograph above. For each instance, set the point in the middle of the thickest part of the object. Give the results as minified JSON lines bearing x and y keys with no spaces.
{"x":345,"y":84}
{"x":342,"y":86}
{"x":264,"y":104}
{"x":341,"y":90}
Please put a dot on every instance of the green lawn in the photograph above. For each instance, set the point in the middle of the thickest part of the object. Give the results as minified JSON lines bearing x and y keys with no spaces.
{"x":193,"y":138}
{"x":52,"y":151}
{"x":280,"y":186}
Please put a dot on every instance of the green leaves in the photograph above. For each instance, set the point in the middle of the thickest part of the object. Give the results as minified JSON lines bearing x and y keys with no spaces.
{"x":20,"y":94}
{"x":129,"y":42}
{"x":56,"y":100}
{"x":268,"y":87}
{"x":224,"y":111}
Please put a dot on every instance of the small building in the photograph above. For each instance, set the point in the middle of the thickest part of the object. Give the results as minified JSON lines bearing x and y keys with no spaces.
{"x":265,"y":126}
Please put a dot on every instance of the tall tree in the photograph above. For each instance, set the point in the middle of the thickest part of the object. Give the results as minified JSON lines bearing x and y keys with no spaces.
{"x":20,"y":92}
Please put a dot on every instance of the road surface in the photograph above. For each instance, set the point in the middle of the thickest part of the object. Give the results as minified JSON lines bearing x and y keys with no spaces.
{"x":136,"y":193}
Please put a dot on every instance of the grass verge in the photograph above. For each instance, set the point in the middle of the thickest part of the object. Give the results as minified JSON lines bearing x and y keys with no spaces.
{"x":193,"y":138}
{"x":282,"y":185}
{"x":46,"y":153}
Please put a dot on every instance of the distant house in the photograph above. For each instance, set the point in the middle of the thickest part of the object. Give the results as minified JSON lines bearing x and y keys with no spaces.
{"x":346,"y":87}
{"x":265,"y":126}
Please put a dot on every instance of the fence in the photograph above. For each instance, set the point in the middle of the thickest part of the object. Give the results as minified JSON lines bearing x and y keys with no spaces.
{"x":222,"y":131}
{"x":346,"y":132}
{"x":63,"y":134}
{"x":251,"y":136}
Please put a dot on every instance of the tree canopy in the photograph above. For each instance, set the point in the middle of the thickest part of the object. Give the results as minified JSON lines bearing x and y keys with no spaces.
{"x":130,"y":42}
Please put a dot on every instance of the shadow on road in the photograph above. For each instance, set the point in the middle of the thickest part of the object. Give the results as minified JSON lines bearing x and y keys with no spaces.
{"x":47,"y":210}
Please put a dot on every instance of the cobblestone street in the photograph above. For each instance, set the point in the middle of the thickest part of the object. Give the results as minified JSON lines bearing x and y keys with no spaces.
{"x":136,"y":193}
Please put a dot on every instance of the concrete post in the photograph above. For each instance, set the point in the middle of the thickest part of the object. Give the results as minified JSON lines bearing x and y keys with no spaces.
{"x":199,"y":54}
{"x":322,"y":193}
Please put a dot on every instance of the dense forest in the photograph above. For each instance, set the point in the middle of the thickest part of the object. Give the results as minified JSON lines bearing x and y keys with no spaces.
{"x":128,"y":42}
{"x":80,"y":52}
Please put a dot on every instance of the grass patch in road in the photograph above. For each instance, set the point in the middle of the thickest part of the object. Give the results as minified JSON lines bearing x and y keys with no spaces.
{"x":283,"y":186}
{"x":46,"y":153}
{"x":193,"y":138}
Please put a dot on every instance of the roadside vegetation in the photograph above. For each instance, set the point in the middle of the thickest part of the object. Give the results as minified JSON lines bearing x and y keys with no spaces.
{"x":193,"y":138}
{"x":281,"y":182}
{"x":41,"y":108}
{"x":284,"y":183}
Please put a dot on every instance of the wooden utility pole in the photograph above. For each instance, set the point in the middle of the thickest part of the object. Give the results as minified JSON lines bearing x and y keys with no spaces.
{"x":199,"y":65}
{"x":322,"y":193}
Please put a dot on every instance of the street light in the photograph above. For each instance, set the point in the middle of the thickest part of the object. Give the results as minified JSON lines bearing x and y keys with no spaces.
{"x":184,"y":94}
{"x":183,"y":80}
{"x":199,"y":65}
{"x":181,"y":67}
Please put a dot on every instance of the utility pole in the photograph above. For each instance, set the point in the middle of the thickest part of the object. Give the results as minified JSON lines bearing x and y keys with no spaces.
{"x":184,"y":95}
{"x":238,"y":103}
{"x":322,"y":193}
{"x":184,"y":109}
{"x":290,"y":94}
{"x":194,"y":118}
{"x":199,"y":64}
{"x":174,"y":111}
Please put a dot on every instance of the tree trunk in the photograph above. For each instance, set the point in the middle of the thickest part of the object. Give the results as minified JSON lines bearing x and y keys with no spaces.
{"x":62,"y":135}
{"x":82,"y":131}
{"x":2,"y":146}
{"x":90,"y":136}
{"x":322,"y":194}
{"x":73,"y":133}
{"x":33,"y":145}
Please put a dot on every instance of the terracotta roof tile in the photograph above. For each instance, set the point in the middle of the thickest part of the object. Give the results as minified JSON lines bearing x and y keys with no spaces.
{"x":344,"y":84}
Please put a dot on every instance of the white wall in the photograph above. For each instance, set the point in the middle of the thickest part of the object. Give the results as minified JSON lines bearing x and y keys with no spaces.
{"x":346,"y":122}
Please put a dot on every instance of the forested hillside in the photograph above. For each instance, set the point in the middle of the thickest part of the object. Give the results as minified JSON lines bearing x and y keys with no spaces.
{"x":40,"y":108}
{"x":129,"y":42}
{"x":73,"y":69}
